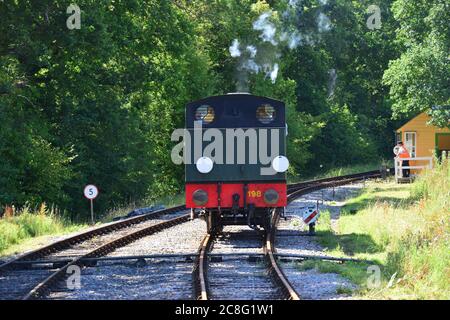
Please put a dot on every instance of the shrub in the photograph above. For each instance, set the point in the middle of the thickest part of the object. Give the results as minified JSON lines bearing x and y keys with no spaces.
{"x":29,"y":223}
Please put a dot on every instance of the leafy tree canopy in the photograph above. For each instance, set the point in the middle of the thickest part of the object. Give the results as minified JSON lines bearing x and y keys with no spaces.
{"x":420,"y":78}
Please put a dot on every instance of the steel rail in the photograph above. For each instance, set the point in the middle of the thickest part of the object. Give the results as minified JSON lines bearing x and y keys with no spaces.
{"x":328,"y":184}
{"x":319,"y":257}
{"x":362,"y":175}
{"x":275,"y":271}
{"x":57,"y":276}
{"x":201,"y":271}
{"x":200,"y":278}
{"x":27,"y":265}
{"x":86,"y":235}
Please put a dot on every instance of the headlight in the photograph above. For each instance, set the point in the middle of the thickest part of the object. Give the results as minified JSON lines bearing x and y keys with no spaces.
{"x":200,"y":197}
{"x":280,"y":164}
{"x":271,"y":196}
{"x":204,"y":165}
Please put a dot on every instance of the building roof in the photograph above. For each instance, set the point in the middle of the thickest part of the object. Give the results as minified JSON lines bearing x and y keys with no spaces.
{"x":401,"y":127}
{"x":432,"y":109}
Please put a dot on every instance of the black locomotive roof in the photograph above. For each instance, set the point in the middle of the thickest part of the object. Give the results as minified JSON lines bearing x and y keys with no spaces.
{"x":228,"y":95}
{"x":236,"y":110}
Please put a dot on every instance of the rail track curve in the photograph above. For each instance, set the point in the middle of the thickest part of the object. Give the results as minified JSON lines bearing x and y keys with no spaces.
{"x":200,"y":274}
{"x":200,"y":270}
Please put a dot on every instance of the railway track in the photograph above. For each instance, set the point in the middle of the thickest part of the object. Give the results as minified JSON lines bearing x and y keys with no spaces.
{"x":155,"y":267}
{"x":206,"y":288}
{"x":240,"y":276}
{"x":20,"y":280}
{"x":76,"y":249}
{"x":234,"y":265}
{"x":296,"y":190}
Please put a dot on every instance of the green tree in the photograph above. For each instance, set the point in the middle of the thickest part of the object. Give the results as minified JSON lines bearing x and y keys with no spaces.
{"x":343,"y":70}
{"x":420,"y":78}
{"x":99,"y":102}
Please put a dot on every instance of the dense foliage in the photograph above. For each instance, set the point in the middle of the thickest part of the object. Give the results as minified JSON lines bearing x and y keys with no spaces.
{"x":420,"y":78}
{"x":95,"y":104}
{"x":98,"y":104}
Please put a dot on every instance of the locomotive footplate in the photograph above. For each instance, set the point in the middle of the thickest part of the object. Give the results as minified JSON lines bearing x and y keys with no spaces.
{"x":239,"y":204}
{"x":255,"y":218}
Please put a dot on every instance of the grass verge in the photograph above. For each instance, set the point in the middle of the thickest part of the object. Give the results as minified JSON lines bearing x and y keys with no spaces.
{"x":30,"y":229}
{"x":27,"y":228}
{"x":404,"y":229}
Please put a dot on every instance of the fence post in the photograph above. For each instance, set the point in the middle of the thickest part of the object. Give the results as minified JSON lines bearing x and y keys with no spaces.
{"x":396,"y":170}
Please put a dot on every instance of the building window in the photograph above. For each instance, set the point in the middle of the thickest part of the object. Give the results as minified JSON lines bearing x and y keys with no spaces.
{"x":442,"y":144}
{"x":410,"y":143}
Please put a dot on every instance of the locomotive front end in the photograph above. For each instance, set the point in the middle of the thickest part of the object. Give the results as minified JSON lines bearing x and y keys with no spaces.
{"x":237,"y":152}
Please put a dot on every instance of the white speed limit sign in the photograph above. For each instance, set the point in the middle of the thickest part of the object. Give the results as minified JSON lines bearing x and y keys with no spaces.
{"x":90,"y":192}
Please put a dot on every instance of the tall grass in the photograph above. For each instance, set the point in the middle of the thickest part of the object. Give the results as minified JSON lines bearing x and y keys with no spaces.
{"x":29,"y":223}
{"x":422,"y":254}
{"x":405,"y":229}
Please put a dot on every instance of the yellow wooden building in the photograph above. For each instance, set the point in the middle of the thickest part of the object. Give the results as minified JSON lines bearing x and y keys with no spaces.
{"x":422,"y":139}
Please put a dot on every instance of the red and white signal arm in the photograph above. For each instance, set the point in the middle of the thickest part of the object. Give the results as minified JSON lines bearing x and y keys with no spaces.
{"x":90,"y":192}
{"x":310,"y":215}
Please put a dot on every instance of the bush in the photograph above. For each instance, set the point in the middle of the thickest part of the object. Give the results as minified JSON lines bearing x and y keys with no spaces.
{"x":10,"y":233}
{"x":28,"y":223}
{"x":341,"y":142}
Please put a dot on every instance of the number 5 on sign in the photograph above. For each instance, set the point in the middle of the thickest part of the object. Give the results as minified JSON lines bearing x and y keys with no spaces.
{"x":91,"y":192}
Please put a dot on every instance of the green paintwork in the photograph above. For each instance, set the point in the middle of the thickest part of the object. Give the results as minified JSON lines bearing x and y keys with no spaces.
{"x":237,"y":172}
{"x":436,"y":142}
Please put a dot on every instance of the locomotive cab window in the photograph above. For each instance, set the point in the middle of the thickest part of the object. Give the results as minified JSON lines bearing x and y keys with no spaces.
{"x":205,"y":114}
{"x":265,"y":114}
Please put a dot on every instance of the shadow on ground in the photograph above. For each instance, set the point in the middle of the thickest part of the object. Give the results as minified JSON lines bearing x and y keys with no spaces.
{"x":350,"y":244}
{"x":363,"y":203}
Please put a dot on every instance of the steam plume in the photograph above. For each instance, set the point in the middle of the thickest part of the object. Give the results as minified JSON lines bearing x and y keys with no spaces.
{"x":290,"y":32}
